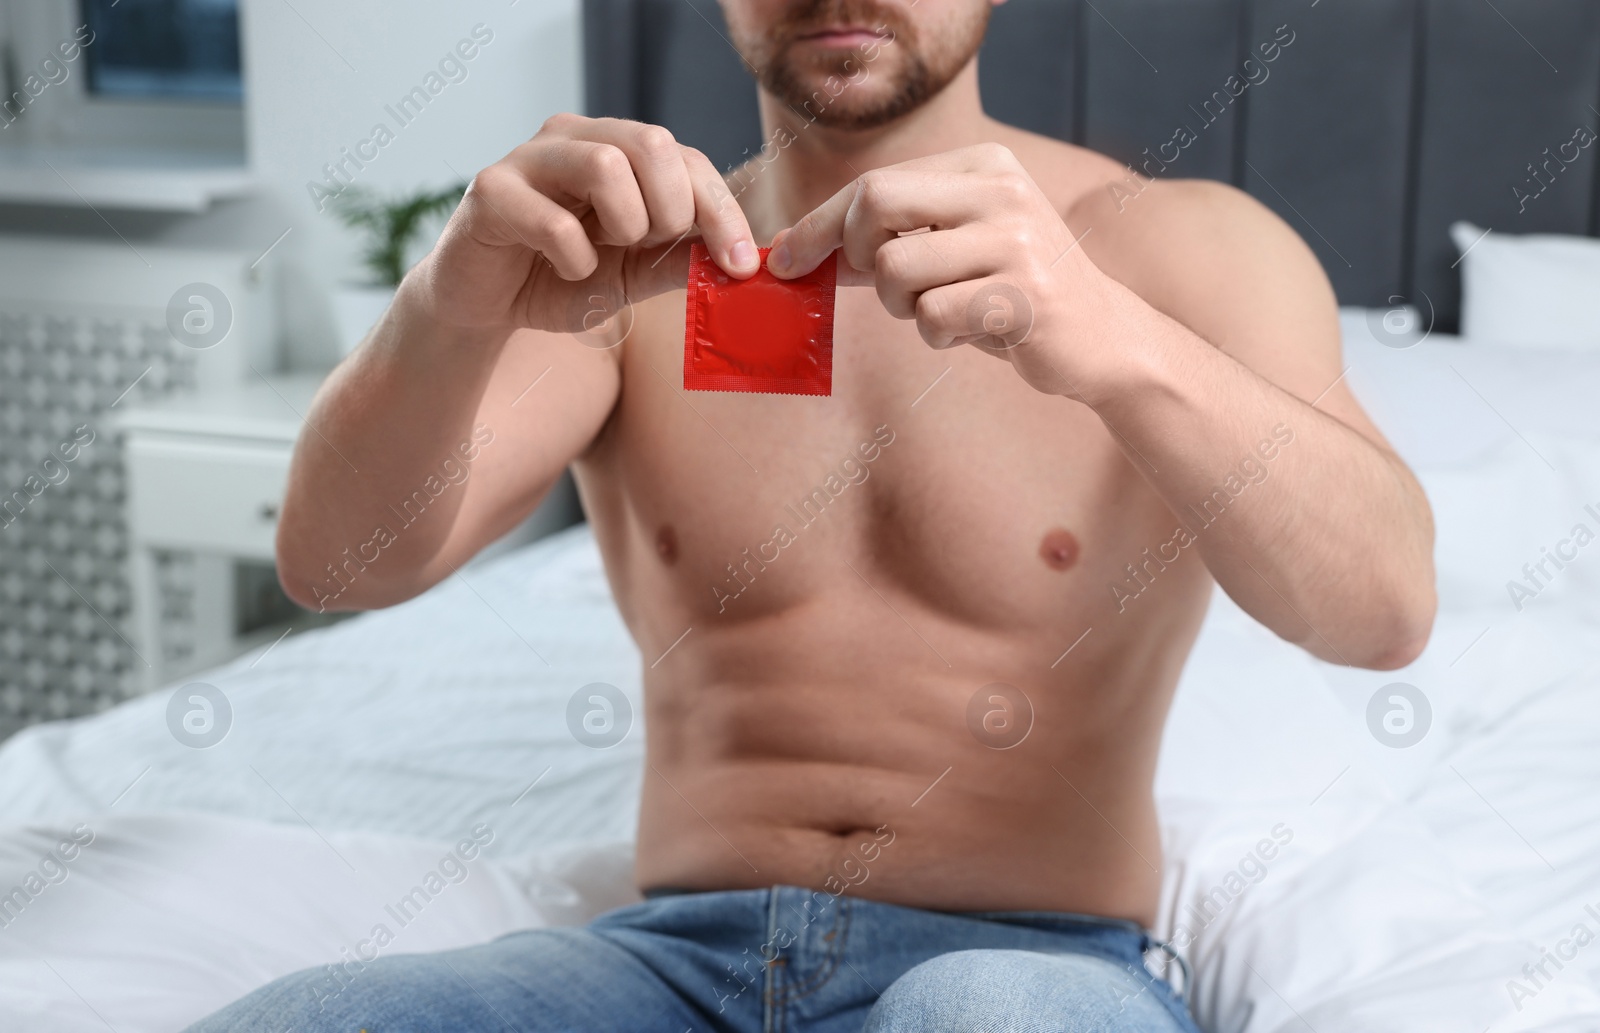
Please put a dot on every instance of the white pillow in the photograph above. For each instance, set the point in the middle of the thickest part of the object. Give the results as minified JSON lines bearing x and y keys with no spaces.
{"x":1537,"y":290}
{"x":1444,"y":402}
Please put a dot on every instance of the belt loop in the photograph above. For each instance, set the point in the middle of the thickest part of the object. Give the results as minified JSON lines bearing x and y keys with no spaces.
{"x":1171,"y":952}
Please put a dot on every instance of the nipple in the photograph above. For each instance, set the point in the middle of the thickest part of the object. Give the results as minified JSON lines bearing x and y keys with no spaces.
{"x":1059,"y":550}
{"x":667,"y":544}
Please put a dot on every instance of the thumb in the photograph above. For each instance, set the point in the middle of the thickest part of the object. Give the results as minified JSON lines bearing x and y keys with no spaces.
{"x":845,"y":275}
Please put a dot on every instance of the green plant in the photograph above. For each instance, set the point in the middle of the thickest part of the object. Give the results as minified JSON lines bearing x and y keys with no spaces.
{"x":390,"y":225}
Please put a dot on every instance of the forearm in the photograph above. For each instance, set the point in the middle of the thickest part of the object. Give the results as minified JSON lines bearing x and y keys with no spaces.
{"x":381,"y":426}
{"x":1331,"y":545}
{"x":1311,"y":527}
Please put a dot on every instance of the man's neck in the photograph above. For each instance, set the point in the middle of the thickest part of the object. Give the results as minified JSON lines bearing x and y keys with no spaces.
{"x":803,"y":163}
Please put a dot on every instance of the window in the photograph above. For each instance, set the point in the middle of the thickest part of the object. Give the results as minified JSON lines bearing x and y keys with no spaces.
{"x":146,"y":80}
{"x":163,"y":48}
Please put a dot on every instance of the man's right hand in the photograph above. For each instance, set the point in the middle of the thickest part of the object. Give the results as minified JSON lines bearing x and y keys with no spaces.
{"x":590,"y":208}
{"x":588,"y":216}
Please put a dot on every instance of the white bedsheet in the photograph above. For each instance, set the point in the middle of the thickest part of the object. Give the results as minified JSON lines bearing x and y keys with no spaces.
{"x":1415,"y":885}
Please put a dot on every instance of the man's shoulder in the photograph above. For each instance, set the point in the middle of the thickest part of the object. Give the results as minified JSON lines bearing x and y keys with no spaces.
{"x":1065,"y":171}
{"x":1202,"y":251}
{"x":1135,"y":211}
{"x":1206,"y":253}
{"x":1089,"y":187}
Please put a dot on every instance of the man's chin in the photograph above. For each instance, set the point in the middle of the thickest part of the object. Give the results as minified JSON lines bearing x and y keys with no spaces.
{"x":861,"y":118}
{"x":836,"y":103}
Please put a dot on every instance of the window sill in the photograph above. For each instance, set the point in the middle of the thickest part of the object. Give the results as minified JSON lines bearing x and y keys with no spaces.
{"x":165,"y":181}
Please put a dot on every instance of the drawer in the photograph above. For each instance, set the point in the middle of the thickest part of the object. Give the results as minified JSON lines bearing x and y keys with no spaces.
{"x":207,"y":496}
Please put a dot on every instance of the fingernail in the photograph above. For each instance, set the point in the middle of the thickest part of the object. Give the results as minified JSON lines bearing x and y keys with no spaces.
{"x":743,"y":255}
{"x":778,"y":260}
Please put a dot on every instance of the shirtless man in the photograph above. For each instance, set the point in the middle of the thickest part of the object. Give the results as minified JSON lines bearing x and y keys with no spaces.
{"x":900,"y":758}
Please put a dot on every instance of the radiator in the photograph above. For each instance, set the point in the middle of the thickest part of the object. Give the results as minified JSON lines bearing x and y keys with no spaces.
{"x":84,"y":328}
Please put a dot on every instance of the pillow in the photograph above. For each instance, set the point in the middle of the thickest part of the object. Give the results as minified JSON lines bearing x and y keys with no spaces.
{"x":1536,"y":290}
{"x":1444,"y":402}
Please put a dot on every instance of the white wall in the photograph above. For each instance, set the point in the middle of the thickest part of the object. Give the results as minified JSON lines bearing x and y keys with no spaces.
{"x":315,"y":88}
{"x":318,"y":77}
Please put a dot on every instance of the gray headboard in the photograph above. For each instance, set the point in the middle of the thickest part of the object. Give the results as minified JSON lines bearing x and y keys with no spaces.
{"x":1382,"y":122}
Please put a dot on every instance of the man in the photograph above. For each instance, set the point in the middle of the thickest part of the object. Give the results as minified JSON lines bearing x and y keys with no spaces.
{"x":910,"y":647}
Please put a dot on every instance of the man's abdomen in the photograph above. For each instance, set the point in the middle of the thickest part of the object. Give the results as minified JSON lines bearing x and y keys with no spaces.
{"x":862,"y":762}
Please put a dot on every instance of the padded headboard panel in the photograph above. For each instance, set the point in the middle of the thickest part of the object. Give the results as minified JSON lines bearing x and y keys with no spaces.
{"x":1374,"y":127}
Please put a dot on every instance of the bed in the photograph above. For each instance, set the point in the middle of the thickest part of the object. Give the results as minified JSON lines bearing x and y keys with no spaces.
{"x":1409,"y":889}
{"x":1433,"y":834}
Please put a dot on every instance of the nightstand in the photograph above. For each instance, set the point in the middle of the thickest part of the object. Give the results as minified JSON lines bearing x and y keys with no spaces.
{"x":205,"y":475}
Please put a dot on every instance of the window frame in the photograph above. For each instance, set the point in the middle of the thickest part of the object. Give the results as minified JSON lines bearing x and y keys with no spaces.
{"x":65,"y":115}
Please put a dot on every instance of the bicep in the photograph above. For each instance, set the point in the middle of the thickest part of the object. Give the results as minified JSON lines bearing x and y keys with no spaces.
{"x":1280,"y":318}
{"x":545,"y":403}
{"x":1231,"y":271}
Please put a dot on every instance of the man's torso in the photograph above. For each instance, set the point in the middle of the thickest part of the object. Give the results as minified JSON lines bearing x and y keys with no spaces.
{"x":820,"y":588}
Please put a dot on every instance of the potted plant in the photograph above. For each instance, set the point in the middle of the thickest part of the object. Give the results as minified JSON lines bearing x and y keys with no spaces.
{"x":390,"y":228}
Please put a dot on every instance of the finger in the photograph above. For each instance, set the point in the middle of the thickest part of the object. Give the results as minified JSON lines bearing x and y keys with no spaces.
{"x":648,"y":271}
{"x":990,"y":313}
{"x":845,"y":274}
{"x":507,"y":211}
{"x":848,"y":275}
{"x":721,"y":221}
{"x":581,"y":174}
{"x":802,"y":247}
{"x":909,"y":265}
{"x":875,"y":208}
{"x":711,"y":207}
{"x":659,"y":169}
{"x":907,"y":203}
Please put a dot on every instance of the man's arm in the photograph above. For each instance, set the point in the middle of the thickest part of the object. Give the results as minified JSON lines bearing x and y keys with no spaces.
{"x":1195,"y":323}
{"x":424,"y":449}
{"x":1225,"y":334}
{"x":472,"y":362}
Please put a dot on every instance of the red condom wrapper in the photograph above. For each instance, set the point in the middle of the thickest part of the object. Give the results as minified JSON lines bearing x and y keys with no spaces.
{"x":762,"y":334}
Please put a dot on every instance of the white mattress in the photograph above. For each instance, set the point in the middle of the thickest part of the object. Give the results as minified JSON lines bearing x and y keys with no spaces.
{"x":1416,"y":885}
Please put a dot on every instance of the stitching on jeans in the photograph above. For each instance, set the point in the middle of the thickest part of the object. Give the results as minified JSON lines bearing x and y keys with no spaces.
{"x":809,"y":984}
{"x":779,"y":969}
{"x":830,"y":962}
{"x":770,"y":995}
{"x":1164,"y":992}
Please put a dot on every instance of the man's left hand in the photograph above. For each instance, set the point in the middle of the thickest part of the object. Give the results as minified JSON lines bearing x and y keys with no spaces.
{"x":966,"y":244}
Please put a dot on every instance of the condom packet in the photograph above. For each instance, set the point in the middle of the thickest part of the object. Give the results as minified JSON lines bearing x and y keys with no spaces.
{"x":762,"y":334}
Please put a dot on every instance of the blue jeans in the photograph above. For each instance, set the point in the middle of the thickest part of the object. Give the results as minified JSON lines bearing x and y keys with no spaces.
{"x":742,"y":961}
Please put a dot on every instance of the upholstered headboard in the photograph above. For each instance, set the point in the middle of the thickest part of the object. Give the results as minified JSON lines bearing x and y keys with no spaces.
{"x":1375,"y":127}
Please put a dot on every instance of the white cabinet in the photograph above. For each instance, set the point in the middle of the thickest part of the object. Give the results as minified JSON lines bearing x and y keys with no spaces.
{"x":208,"y":495}
{"x":206,"y":474}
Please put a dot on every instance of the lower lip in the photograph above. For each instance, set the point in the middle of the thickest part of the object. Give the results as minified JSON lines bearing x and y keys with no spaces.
{"x":842,"y":39}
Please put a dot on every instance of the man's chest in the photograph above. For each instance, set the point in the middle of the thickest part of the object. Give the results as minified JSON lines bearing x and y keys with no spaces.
{"x":935,"y":473}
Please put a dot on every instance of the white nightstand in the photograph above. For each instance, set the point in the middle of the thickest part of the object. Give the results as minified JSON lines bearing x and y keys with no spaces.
{"x":206,"y":474}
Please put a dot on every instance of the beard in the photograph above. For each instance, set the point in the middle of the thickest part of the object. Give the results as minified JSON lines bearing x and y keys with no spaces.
{"x":904,"y":71}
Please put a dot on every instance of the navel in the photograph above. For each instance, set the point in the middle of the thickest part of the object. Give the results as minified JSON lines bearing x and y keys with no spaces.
{"x":667,"y":544}
{"x":1059,"y":549}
